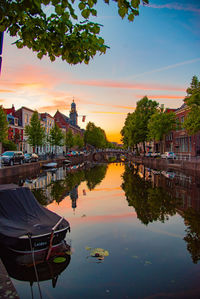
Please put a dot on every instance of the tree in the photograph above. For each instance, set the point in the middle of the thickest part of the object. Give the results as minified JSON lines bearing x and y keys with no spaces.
{"x":69,"y":139}
{"x":192,"y":121}
{"x":95,"y":136}
{"x":51,"y":27}
{"x":135,"y":129}
{"x":35,"y":131}
{"x":56,"y":136}
{"x":160,"y":124}
{"x":78,"y":141}
{"x":9,"y":145}
{"x":3,"y":125}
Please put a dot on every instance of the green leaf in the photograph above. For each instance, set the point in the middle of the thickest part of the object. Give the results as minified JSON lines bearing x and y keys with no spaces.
{"x":81,"y":5}
{"x":135,"y":3}
{"x":85,"y":13}
{"x":131,"y":17}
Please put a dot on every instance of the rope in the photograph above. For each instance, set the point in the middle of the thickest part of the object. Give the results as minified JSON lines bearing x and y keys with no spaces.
{"x":36,"y":273}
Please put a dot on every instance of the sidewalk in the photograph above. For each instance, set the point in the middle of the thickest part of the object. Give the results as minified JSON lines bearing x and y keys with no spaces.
{"x":7,"y":289}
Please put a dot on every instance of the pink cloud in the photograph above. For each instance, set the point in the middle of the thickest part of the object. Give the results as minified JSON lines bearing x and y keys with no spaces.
{"x":124,"y":85}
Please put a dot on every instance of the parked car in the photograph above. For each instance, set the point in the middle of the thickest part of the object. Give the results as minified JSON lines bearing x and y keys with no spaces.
{"x":32,"y":157}
{"x":12,"y":157}
{"x":156,"y":155}
{"x":149,"y":154}
{"x":168,"y":155}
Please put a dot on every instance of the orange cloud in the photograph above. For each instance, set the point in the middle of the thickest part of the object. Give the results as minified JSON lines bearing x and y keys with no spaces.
{"x":124,"y":85}
{"x":108,"y":112}
{"x":5,"y":90}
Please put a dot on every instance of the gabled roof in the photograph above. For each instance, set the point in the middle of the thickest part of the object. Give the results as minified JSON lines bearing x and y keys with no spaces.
{"x":183,"y":106}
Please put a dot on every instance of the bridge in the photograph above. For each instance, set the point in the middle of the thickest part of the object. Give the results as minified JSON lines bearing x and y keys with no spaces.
{"x":110,"y":155}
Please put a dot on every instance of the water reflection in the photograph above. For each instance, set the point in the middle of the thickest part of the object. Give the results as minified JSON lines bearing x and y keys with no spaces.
{"x":150,"y":203}
{"x":37,"y":269}
{"x":156,"y":195}
{"x":57,"y":185}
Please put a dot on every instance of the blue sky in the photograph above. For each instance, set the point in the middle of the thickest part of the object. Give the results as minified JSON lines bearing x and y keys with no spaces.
{"x":156,"y":55}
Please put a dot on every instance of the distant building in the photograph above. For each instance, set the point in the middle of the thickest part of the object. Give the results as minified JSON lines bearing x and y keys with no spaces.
{"x":69,"y":123}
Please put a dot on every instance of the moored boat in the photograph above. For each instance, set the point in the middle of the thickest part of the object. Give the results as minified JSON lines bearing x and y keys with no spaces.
{"x":25,"y":225}
{"x":50,"y":165}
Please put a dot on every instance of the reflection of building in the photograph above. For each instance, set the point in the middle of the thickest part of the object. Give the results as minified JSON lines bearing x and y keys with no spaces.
{"x":74,"y":196}
{"x":180,"y":186}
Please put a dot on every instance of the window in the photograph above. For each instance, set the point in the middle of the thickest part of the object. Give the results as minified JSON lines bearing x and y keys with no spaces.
{"x":16,"y":121}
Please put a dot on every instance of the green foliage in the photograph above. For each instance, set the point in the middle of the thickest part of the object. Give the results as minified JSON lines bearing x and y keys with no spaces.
{"x":135,"y":129}
{"x":3,"y":125}
{"x":51,"y":27}
{"x":69,"y":139}
{"x":9,"y":145}
{"x":78,"y":141}
{"x":35,"y":131}
{"x":192,"y":121}
{"x":95,"y":136}
{"x":160,"y":124}
{"x":56,"y":136}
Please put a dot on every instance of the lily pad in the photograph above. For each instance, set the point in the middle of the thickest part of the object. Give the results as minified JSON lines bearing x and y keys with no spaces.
{"x":59,"y":260}
{"x":98,"y":252}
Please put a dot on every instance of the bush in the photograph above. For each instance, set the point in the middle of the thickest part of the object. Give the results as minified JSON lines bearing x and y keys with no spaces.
{"x":9,"y":145}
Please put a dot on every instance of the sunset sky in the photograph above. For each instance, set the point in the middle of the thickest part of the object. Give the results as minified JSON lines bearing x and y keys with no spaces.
{"x":156,"y":55}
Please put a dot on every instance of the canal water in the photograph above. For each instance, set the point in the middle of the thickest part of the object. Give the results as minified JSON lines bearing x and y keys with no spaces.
{"x":145,"y":222}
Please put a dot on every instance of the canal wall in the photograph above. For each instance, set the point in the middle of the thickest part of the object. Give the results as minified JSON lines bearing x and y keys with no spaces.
{"x":169,"y":164}
{"x":19,"y":172}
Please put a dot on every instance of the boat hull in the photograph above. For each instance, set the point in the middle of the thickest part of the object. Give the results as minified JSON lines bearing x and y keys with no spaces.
{"x":36,"y":243}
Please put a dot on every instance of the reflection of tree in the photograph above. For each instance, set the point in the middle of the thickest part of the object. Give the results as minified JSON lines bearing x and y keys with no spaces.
{"x":95,"y":175}
{"x":192,"y":220}
{"x":74,"y":178}
{"x":40,"y":195}
{"x":150,"y":203}
{"x":58,"y":190}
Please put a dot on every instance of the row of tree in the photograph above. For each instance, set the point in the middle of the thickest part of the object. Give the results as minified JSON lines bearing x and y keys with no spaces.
{"x":150,"y":122}
{"x":35,"y":132}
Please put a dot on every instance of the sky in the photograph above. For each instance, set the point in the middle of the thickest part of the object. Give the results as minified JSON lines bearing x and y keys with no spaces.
{"x":156,"y":56}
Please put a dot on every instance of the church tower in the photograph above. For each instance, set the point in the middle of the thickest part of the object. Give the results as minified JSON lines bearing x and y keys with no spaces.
{"x":73,"y":115}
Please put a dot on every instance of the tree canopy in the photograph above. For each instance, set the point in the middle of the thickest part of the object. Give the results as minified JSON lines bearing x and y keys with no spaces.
{"x":59,"y":28}
{"x":192,"y":121}
{"x":3,"y":125}
{"x":35,"y":131}
{"x":160,"y":124}
{"x":69,"y":139}
{"x":135,"y":129}
{"x":56,"y":136}
{"x":95,"y":136}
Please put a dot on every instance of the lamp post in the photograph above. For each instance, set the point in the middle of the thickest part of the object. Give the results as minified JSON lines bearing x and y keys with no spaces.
{"x":1,"y":48}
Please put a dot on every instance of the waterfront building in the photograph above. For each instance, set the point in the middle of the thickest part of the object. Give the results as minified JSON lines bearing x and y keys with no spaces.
{"x":24,"y":115}
{"x":179,"y":141}
{"x":15,"y":128}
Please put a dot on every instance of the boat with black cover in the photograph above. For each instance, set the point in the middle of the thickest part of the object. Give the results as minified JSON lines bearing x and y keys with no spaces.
{"x":27,"y":226}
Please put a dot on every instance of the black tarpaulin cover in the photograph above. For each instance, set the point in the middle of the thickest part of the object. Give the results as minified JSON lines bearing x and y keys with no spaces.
{"x":20,"y":213}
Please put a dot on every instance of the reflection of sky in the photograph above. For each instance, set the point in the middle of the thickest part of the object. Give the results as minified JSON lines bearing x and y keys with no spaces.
{"x":144,"y":261}
{"x":157,"y":55}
